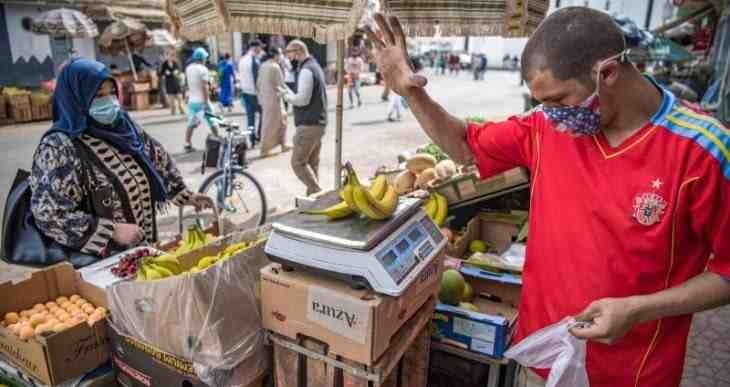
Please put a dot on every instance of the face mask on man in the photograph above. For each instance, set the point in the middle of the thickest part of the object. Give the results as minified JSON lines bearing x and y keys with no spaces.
{"x":104,"y":110}
{"x":583,"y":119}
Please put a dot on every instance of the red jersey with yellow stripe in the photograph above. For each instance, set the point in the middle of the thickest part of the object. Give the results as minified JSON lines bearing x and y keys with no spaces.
{"x":615,"y":222}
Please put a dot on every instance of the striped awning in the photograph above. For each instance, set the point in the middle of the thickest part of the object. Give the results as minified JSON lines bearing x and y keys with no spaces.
{"x":510,"y":18}
{"x":322,"y":20}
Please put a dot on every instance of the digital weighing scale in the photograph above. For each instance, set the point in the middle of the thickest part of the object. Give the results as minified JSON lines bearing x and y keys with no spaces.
{"x":385,"y":256}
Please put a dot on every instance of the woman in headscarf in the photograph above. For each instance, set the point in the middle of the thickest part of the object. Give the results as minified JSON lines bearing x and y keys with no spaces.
{"x":226,"y":78}
{"x":97,"y":178}
{"x":273,"y":120}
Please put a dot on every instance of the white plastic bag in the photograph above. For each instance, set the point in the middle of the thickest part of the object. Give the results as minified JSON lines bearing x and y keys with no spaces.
{"x":555,"y":348}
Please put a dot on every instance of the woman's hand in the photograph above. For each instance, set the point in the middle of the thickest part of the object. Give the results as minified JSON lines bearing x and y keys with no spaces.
{"x":127,"y":234}
{"x":201,"y":201}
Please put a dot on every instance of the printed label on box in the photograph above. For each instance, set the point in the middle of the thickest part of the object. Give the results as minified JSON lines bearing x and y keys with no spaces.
{"x":339,"y":313}
{"x":475,"y":330}
{"x":486,"y":347}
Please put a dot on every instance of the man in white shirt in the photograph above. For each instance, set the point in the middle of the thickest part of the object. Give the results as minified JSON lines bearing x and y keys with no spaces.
{"x":248,"y":69}
{"x":310,"y":115}
{"x":354,"y":66}
{"x":197,"y":76}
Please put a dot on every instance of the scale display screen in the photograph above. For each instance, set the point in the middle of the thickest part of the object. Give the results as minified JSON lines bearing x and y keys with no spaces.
{"x":415,"y":235}
{"x":402,"y":255}
{"x":402,"y":246}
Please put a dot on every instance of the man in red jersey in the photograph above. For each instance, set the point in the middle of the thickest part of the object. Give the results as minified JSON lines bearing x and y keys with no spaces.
{"x":630,"y":224}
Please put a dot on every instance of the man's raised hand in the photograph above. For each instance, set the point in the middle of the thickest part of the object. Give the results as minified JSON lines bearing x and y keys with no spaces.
{"x":392,"y":56}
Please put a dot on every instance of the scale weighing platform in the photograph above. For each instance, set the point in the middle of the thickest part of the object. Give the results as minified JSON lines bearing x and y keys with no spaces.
{"x":385,"y":256}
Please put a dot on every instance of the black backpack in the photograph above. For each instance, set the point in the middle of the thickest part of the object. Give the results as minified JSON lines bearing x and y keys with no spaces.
{"x":23,"y":243}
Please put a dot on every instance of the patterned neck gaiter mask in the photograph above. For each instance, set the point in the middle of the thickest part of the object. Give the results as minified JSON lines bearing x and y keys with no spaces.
{"x":583,"y":119}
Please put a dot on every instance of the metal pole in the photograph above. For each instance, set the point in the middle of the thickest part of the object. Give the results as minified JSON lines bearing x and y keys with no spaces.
{"x":649,"y":10}
{"x":129,"y":56}
{"x":338,"y":128}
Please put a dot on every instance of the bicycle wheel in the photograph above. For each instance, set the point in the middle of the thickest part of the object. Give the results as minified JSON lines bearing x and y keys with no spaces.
{"x":244,"y":204}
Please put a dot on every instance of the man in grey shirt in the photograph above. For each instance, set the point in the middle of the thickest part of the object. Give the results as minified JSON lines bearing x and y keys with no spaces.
{"x":310,"y":115}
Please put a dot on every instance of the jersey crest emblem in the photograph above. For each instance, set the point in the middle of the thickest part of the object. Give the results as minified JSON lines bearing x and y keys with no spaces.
{"x":648,"y":208}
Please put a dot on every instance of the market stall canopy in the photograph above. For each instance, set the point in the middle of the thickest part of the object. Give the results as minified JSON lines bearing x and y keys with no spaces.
{"x":149,"y":11}
{"x":120,"y":36}
{"x":322,"y":20}
{"x":115,"y":34}
{"x":65,"y":22}
{"x":162,"y":38}
{"x":510,"y":18}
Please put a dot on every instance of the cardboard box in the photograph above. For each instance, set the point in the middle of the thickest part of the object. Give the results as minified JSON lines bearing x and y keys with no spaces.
{"x":355,"y":324}
{"x":138,"y":364}
{"x":211,"y":316}
{"x":498,"y":229}
{"x":60,"y":356}
{"x":488,"y":331}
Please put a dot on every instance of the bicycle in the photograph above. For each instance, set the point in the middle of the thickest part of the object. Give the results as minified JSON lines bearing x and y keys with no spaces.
{"x":231,"y":183}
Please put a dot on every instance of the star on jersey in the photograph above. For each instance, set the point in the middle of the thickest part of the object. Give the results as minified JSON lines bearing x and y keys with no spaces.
{"x":657,"y":184}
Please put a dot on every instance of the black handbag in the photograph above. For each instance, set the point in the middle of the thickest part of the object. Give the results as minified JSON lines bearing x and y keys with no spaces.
{"x":24,"y":244}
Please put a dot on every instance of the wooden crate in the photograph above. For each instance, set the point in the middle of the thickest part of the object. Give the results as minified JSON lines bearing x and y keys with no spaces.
{"x":41,"y":112}
{"x":3,"y":108}
{"x":19,"y":108}
{"x":140,"y":101}
{"x":306,"y":363}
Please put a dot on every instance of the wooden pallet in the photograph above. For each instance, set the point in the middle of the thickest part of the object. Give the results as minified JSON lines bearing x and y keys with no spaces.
{"x":405,"y":364}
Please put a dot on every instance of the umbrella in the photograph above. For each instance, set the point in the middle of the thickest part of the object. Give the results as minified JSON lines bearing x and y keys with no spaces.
{"x":64,"y":22}
{"x":127,"y":32}
{"x":670,"y":51}
{"x":162,"y":38}
{"x":635,"y":36}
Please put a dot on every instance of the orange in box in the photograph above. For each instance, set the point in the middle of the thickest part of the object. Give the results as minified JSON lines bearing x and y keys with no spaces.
{"x":60,"y":356}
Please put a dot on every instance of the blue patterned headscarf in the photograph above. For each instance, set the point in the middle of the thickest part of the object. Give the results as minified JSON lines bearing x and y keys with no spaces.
{"x":76,"y":87}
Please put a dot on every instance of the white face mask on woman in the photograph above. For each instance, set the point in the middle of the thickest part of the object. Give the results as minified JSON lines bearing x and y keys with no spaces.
{"x":105,"y":110}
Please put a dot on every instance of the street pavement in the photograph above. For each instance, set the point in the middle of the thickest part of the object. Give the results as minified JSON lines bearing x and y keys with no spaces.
{"x":369,"y":141}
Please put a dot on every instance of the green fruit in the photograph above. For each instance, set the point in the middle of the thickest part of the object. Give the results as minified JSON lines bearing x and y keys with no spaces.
{"x":468,"y":294}
{"x":468,"y":306}
{"x":452,"y":287}
{"x":477,"y":246}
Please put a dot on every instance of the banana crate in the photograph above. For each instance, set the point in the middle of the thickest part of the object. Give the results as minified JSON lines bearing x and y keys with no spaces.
{"x":210,"y":316}
{"x":469,"y":186}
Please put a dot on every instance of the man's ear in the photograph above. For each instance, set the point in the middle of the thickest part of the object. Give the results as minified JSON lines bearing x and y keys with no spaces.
{"x":609,"y":73}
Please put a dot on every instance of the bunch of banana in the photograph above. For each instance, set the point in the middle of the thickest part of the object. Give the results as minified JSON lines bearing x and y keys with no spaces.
{"x":154,"y":268}
{"x":195,"y":237}
{"x":377,"y":202}
{"x":437,"y":208}
{"x":223,"y":256}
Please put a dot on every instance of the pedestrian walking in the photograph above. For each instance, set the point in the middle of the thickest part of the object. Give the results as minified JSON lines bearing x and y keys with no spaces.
{"x":354,"y":66}
{"x":273,"y":118}
{"x":169,"y":71}
{"x":310,"y":115}
{"x":248,"y":72}
{"x":226,"y":79}
{"x":198,"y":79}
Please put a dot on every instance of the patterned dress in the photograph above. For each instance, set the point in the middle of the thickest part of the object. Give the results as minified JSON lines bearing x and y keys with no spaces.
{"x":59,"y":193}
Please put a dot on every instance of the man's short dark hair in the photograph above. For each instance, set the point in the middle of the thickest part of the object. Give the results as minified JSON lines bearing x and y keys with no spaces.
{"x":255,"y":43}
{"x":570,"y":41}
